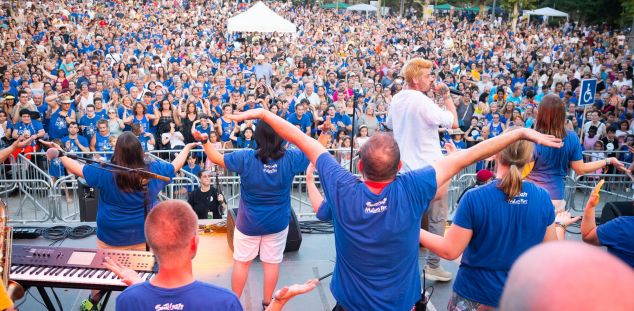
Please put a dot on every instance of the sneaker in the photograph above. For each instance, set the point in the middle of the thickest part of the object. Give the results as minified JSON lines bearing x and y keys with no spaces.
{"x":88,"y":305}
{"x":437,"y":274}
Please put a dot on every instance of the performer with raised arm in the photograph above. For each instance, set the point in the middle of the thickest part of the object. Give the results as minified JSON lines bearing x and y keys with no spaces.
{"x":377,"y":219}
{"x":494,"y":224}
{"x":415,"y":119}
{"x":122,"y":198}
{"x":266,"y":177}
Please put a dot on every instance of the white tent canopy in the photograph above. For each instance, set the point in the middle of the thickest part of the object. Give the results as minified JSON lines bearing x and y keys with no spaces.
{"x":259,"y":18}
{"x":362,"y":7}
{"x":547,"y":12}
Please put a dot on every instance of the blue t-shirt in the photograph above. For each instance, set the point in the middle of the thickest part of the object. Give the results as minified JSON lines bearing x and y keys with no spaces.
{"x":120,"y":214}
{"x":57,"y":126}
{"x":502,"y":231}
{"x":191,"y":297}
{"x":192,"y":170}
{"x":33,"y":127}
{"x":551,"y":165}
{"x":90,"y":126}
{"x":304,"y":123}
{"x":55,"y":168}
{"x":265,"y":189}
{"x":73,"y":145}
{"x":618,"y":236}
{"x":376,"y":236}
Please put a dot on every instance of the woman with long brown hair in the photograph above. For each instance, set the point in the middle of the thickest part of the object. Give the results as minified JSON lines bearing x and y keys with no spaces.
{"x":551,"y":165}
{"x":494,"y":224}
{"x":122,"y":199}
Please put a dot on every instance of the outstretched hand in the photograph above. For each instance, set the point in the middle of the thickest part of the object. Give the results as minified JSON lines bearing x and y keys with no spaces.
{"x":22,"y":142}
{"x":50,"y":144}
{"x":450,"y":147}
{"x":246,"y":115}
{"x":543,"y":139}
{"x":288,"y":292}
{"x":618,"y":164}
{"x":127,"y":275}
{"x":564,"y":218}
{"x":198,"y":136}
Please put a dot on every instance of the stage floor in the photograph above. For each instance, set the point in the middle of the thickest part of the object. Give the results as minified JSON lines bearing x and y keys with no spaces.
{"x":213,"y":264}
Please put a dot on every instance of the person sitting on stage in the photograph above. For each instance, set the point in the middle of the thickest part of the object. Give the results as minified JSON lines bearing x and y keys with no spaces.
{"x":568,"y":275}
{"x":171,"y":231}
{"x":124,"y":197}
{"x":206,"y":198}
{"x":377,"y":219}
{"x":617,"y":234}
{"x":266,"y":177}
{"x":493,"y":225}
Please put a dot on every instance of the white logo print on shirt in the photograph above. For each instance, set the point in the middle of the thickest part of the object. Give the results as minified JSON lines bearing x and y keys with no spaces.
{"x":270,"y":168}
{"x":376,"y":207}
{"x":519,"y":199}
{"x":169,"y":306}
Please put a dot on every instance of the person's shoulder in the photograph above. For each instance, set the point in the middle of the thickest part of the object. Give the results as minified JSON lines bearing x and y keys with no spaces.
{"x":134,"y":290}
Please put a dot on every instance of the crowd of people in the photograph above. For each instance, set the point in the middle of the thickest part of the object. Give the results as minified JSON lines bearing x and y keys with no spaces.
{"x":117,"y":78}
{"x":172,"y":69}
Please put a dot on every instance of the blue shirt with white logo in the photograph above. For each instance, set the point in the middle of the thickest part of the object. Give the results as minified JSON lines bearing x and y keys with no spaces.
{"x":376,"y":236}
{"x":265,"y":189}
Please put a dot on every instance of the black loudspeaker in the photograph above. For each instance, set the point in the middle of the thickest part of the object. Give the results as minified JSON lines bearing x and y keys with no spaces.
{"x":613,"y":210}
{"x":293,"y":240}
{"x":88,"y":201}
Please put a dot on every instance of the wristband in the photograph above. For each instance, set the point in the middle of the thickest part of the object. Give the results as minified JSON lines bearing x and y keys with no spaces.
{"x":561,"y":225}
{"x":607,"y":161}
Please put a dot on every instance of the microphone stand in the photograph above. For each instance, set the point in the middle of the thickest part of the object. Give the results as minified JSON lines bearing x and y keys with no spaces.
{"x":354,"y":114}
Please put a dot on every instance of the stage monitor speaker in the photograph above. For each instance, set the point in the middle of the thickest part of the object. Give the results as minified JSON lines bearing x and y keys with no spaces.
{"x":88,"y":201}
{"x":293,"y":240}
{"x":613,"y":210}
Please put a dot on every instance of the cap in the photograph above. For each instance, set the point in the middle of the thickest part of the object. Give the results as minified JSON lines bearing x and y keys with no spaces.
{"x":9,"y":97}
{"x":260,"y":57}
{"x":457,"y":132}
{"x":484,"y":175}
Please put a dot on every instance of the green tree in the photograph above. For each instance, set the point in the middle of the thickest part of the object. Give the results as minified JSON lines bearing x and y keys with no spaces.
{"x":514,"y":6}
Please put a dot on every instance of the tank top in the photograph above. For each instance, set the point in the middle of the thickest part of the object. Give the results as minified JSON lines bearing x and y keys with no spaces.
{"x":495,"y":130}
{"x":227,"y":127}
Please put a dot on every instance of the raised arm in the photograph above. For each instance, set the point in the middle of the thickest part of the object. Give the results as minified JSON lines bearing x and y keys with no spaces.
{"x":450,"y":165}
{"x":313,"y":193}
{"x":311,"y":147}
{"x":73,"y":166}
{"x":180,"y":160}
{"x":212,"y":154}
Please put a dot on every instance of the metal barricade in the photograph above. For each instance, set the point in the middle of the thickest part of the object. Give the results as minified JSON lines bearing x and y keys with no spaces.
{"x":26,"y":189}
{"x":617,"y":187}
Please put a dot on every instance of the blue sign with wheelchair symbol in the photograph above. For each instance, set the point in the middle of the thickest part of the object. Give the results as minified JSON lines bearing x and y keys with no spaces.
{"x":588,"y":89}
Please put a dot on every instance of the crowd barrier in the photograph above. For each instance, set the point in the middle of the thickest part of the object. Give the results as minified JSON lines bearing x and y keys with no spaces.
{"x":35,"y":196}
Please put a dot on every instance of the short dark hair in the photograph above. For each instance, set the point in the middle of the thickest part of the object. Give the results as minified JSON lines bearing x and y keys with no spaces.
{"x":380,"y":157}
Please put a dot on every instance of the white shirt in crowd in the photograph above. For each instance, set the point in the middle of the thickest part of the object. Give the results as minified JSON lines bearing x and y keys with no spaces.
{"x":415,"y":119}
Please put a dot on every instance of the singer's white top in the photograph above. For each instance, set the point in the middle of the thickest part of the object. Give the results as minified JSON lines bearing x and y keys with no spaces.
{"x":415,"y":120}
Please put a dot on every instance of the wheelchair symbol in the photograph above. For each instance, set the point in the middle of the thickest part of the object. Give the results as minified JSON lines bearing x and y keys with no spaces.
{"x":587,"y":95}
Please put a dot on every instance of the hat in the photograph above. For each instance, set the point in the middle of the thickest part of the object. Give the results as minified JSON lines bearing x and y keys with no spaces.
{"x":65,"y":100}
{"x":9,"y":97}
{"x":484,"y":175}
{"x":457,"y":132}
{"x":260,"y":57}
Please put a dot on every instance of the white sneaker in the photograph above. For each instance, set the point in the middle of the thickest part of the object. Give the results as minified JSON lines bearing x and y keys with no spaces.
{"x":437,"y":274}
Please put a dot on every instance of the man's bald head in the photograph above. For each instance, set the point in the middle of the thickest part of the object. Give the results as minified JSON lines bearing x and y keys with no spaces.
{"x":170,"y":227}
{"x":568,"y":275}
{"x":380,"y":157}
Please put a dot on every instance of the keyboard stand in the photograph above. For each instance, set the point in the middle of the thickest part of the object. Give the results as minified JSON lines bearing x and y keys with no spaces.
{"x":49,"y":304}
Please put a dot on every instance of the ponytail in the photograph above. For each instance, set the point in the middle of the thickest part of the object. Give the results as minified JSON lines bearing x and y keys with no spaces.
{"x":511,"y":183}
{"x":515,"y":156}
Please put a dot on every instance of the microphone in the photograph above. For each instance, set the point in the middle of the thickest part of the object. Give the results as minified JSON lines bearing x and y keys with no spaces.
{"x":455,"y":92}
{"x":53,"y":153}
